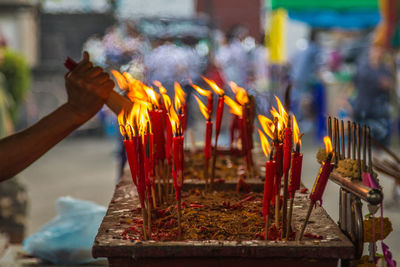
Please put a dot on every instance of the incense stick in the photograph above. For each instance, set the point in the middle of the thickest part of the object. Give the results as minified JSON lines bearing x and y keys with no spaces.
{"x":330,"y":127}
{"x":342,"y":137}
{"x":358,"y":150}
{"x":349,"y":139}
{"x":335,"y":141}
{"x":353,"y":138}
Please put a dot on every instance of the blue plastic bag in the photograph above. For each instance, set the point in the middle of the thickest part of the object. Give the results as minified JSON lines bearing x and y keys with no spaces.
{"x":68,"y":238}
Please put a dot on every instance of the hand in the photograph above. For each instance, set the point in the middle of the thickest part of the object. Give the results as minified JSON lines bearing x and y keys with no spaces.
{"x":88,"y":88}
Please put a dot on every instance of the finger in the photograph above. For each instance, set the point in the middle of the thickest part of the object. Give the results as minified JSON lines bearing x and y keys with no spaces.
{"x":100,"y":79}
{"x":105,"y":89}
{"x":86,"y":55}
{"x":83,"y":66}
{"x":93,"y":72}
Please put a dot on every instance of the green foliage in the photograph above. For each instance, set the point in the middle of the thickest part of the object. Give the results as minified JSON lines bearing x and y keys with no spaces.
{"x":17,"y":78}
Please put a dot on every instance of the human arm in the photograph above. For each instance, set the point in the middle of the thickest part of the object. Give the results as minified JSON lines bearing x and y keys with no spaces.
{"x":88,"y":88}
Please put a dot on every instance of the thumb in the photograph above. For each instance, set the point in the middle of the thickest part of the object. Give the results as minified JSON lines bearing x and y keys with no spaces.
{"x":86,"y":56}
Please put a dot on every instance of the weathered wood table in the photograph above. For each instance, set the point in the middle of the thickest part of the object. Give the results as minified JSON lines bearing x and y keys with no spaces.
{"x":326,"y":252}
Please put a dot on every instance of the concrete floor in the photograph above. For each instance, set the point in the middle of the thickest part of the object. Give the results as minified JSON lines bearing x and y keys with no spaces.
{"x":85,"y":168}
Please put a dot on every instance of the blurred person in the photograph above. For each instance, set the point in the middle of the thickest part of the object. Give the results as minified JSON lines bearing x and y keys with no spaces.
{"x":87,"y":88}
{"x":14,"y":84}
{"x":259,"y":65}
{"x":167,"y":63}
{"x":308,"y":89}
{"x":375,"y":81}
{"x":232,"y":56}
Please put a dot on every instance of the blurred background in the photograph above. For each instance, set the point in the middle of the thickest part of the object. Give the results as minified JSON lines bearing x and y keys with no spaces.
{"x":333,"y":53}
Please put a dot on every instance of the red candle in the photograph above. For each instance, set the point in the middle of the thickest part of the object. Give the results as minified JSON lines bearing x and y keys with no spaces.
{"x":220,"y":111}
{"x":210,"y":104}
{"x":131,"y":153}
{"x":295,"y":173}
{"x":322,"y":180}
{"x":207,"y":147}
{"x":141,"y":182}
{"x":287,"y":149}
{"x":148,"y":152}
{"x":159,"y":137}
{"x":182,"y":117}
{"x":243,"y":135}
{"x":268,"y":186}
{"x":177,"y":172}
{"x":168,"y":143}
{"x":278,"y":158}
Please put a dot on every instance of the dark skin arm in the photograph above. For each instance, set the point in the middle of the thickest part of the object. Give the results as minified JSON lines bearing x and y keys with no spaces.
{"x":88,"y":88}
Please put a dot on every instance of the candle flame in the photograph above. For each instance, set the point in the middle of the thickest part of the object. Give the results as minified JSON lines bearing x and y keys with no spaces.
{"x":167,"y":101}
{"x":214,"y":86}
{"x":161,"y":88}
{"x":152,"y":96}
{"x":143,"y":119}
{"x":177,"y":103}
{"x":328,"y":144}
{"x":235,"y":107}
{"x":264,"y":143}
{"x":234,"y":87}
{"x":267,"y":125}
{"x":240,"y":93}
{"x":282,"y":112}
{"x":180,"y":93}
{"x":201,"y":91}
{"x":174,"y":119}
{"x":121,"y":122}
{"x":121,"y":117}
{"x":283,"y":116}
{"x":121,"y":81}
{"x":136,"y":90}
{"x":203,"y":108}
{"x":296,"y":132}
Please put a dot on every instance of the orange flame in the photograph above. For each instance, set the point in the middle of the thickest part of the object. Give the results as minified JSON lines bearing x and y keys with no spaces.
{"x":264,"y":143}
{"x":177,"y":103}
{"x":234,"y":87}
{"x":173,"y":117}
{"x":121,"y":122}
{"x":214,"y":86}
{"x":203,"y":108}
{"x":201,"y":91}
{"x":136,"y":90}
{"x":296,"y":132}
{"x":235,"y":107}
{"x":328,"y":144}
{"x":241,"y":93}
{"x":267,"y":125}
{"x":152,"y":95}
{"x":282,"y":112}
{"x":179,"y":92}
{"x":167,"y":101}
{"x":121,"y":118}
{"x":121,"y":81}
{"x":161,"y":88}
{"x":143,"y":119}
